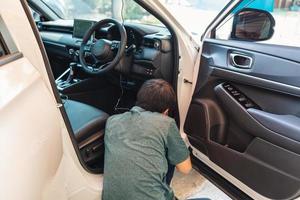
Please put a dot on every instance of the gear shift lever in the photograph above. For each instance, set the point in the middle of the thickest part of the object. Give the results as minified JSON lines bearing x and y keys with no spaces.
{"x":70,"y":73}
{"x":70,"y":78}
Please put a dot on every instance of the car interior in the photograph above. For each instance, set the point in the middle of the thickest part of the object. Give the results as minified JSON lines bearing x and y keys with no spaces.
{"x":99,"y":72}
{"x":245,"y":110}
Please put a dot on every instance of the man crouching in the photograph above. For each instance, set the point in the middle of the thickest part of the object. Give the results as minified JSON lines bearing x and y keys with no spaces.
{"x":141,"y":144}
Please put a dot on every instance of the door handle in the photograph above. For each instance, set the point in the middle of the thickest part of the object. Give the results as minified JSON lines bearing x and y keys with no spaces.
{"x":241,"y":61}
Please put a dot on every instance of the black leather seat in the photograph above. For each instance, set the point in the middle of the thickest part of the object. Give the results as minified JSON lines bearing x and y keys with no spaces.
{"x":85,"y":119}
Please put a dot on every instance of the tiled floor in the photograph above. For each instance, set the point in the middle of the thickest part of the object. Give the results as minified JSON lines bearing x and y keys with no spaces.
{"x":193,"y":186}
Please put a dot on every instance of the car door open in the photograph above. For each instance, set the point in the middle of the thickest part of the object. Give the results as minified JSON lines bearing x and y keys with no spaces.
{"x":245,"y":114}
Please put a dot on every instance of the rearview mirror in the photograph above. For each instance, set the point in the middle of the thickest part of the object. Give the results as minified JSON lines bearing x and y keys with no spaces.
{"x":252,"y":25}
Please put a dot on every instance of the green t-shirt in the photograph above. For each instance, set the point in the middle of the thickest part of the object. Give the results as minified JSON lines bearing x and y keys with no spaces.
{"x":138,"y":147}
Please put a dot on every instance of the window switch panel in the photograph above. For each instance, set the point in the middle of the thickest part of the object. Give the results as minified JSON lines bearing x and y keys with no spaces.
{"x":245,"y":101}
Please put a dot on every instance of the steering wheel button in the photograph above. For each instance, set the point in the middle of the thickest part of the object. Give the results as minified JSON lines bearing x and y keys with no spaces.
{"x":156,"y":45}
{"x":71,"y":51}
{"x":87,"y":54}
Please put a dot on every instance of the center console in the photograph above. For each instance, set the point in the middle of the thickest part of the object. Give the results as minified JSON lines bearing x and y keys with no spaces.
{"x":69,"y":78}
{"x":72,"y":76}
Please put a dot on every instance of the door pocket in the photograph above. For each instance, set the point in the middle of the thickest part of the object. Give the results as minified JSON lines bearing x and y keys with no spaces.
{"x":260,"y":167}
{"x":211,"y":123}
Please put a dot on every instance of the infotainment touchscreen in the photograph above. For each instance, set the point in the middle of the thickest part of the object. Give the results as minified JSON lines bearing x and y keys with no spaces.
{"x":80,"y":27}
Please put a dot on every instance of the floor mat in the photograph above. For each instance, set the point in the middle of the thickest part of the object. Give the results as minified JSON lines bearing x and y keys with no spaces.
{"x":195,"y":187}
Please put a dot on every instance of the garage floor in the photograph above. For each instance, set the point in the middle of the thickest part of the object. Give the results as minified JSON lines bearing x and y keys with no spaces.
{"x":194,"y":186}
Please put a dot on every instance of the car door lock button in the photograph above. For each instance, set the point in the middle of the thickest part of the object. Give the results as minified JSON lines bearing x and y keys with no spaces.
{"x":242,"y":98}
{"x":249,"y":105}
{"x":229,"y":88}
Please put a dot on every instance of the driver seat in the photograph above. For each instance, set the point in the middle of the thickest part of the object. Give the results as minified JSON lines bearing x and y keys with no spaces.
{"x":85,"y":119}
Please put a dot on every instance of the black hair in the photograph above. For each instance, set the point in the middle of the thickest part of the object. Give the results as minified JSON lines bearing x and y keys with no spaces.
{"x":156,"y":95}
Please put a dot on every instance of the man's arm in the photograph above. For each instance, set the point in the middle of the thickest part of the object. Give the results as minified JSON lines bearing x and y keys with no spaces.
{"x":178,"y":153}
{"x":185,"y":166}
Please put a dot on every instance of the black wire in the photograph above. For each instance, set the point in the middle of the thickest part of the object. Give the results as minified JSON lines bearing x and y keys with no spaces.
{"x":121,"y":85}
{"x":116,"y":108}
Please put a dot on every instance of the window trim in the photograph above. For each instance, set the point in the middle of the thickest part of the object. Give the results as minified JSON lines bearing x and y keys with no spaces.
{"x":10,"y":58}
{"x":8,"y":55}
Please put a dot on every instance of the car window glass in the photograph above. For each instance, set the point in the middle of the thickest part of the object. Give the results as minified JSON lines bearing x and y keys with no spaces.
{"x":201,"y":11}
{"x":287,"y":22}
{"x":195,"y":15}
{"x":81,"y":9}
{"x":7,"y":45}
{"x":36,"y":16}
{"x":96,"y":10}
{"x":133,"y":12}
{"x":2,"y":49}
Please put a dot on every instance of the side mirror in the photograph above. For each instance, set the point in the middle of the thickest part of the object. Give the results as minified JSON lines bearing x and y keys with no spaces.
{"x":252,"y":25}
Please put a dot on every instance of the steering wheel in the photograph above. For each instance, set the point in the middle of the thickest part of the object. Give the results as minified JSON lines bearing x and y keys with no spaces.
{"x":105,"y":54}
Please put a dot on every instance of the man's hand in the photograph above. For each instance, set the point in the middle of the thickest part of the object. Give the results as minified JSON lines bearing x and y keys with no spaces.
{"x":185,"y":166}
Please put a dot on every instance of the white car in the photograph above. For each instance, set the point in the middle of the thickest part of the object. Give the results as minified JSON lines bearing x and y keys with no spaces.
{"x":62,"y":76}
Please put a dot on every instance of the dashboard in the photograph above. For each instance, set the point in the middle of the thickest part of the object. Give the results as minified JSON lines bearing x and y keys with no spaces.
{"x":152,"y":56}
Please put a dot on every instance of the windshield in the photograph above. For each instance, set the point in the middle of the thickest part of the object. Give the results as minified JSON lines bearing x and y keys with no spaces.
{"x":81,"y":9}
{"x":194,"y":15}
{"x":100,"y":9}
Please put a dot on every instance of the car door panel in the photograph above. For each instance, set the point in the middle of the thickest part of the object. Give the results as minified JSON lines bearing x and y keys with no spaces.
{"x":276,"y":68}
{"x":247,"y":121}
{"x":242,"y":116}
{"x":261,"y":176}
{"x":29,"y":130}
{"x":38,"y":159}
{"x":255,"y":81}
{"x":286,"y":125}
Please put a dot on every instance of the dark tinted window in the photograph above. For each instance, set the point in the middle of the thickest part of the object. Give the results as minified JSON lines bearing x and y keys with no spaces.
{"x":3,"y":49}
